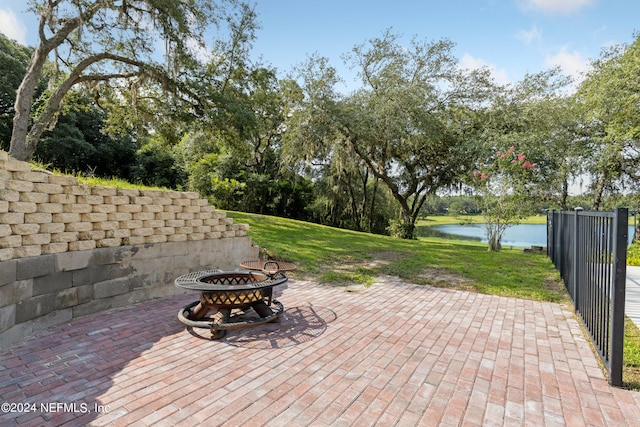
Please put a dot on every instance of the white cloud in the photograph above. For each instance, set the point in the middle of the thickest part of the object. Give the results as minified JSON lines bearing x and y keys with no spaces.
{"x":571,"y":63}
{"x":531,"y":36}
{"x":556,"y":6}
{"x":470,"y":63}
{"x":11,"y":27}
{"x":201,"y":52}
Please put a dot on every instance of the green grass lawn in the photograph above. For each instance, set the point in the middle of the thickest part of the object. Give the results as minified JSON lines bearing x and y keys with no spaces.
{"x":342,"y":257}
{"x":631,"y":358}
{"x":329,"y":253}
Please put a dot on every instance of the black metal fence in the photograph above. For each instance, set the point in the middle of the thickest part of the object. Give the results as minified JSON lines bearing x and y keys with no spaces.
{"x":590,"y":251}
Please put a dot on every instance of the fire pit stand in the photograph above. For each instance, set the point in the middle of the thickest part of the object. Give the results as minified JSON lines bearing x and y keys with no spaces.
{"x":225,"y":291}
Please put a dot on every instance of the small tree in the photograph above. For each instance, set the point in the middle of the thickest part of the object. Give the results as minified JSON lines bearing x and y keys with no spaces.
{"x":503,"y":193}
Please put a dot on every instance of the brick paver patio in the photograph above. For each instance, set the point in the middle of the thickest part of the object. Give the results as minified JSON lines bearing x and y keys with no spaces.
{"x":396,"y":354}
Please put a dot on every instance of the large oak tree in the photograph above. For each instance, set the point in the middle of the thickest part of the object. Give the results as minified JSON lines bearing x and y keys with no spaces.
{"x":128,"y":44}
{"x":610,"y":97}
{"x":412,"y":122}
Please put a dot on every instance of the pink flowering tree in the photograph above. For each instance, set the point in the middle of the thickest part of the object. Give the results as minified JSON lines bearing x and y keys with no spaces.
{"x":503,"y":190}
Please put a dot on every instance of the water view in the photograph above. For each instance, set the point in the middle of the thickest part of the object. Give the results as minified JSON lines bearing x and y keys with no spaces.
{"x":522,"y":235}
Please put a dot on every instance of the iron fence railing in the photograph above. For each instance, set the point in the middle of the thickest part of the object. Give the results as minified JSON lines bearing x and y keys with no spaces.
{"x":589,"y":248}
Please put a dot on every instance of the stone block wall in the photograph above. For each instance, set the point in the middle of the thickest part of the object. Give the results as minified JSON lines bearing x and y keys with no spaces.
{"x":42,"y":213}
{"x":68,"y":249}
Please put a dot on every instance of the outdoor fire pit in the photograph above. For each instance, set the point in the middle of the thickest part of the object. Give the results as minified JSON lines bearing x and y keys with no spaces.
{"x":230,"y":294}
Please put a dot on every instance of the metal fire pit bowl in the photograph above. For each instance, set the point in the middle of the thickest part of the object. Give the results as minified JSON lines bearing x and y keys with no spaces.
{"x":224,"y":291}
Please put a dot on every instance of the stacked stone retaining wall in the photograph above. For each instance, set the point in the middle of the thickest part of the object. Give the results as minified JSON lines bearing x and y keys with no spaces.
{"x":68,"y":249}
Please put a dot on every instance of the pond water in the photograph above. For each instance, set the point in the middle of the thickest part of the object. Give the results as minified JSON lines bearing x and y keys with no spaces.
{"x":522,"y":235}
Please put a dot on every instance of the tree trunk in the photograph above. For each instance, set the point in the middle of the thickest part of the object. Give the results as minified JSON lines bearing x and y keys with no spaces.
{"x":23,"y":146}
{"x":409,"y":225}
{"x":20,"y":148}
{"x":494,"y":243}
{"x":355,"y":212}
{"x":564,"y":195}
{"x":598,"y":193}
{"x":373,"y":204}
{"x":495,"y":230}
{"x":365,"y":200}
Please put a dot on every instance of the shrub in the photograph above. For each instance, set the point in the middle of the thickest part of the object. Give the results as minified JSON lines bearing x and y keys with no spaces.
{"x":633,"y":254}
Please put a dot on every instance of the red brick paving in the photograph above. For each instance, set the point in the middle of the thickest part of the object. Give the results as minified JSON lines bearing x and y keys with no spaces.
{"x":396,"y":354}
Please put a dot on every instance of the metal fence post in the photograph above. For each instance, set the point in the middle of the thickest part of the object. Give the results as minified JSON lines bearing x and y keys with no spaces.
{"x":620,"y":231}
{"x":549,"y":234}
{"x":574,"y":263}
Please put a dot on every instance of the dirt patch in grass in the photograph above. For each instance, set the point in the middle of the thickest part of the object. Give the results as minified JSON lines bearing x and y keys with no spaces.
{"x":357,"y":273}
{"x":558,"y":287}
{"x":443,"y":278}
{"x":388,"y":256}
{"x":373,"y":261}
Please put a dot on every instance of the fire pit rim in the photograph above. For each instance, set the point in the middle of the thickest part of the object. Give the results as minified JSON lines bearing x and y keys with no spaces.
{"x":194,"y":280}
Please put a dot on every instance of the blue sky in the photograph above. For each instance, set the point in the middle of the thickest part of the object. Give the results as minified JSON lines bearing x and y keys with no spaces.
{"x":512,"y":37}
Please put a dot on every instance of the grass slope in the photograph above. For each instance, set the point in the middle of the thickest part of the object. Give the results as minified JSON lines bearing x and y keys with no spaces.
{"x":333,"y":254}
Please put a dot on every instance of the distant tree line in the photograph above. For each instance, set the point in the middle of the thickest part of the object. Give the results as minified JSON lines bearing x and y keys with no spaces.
{"x":209,"y":119}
